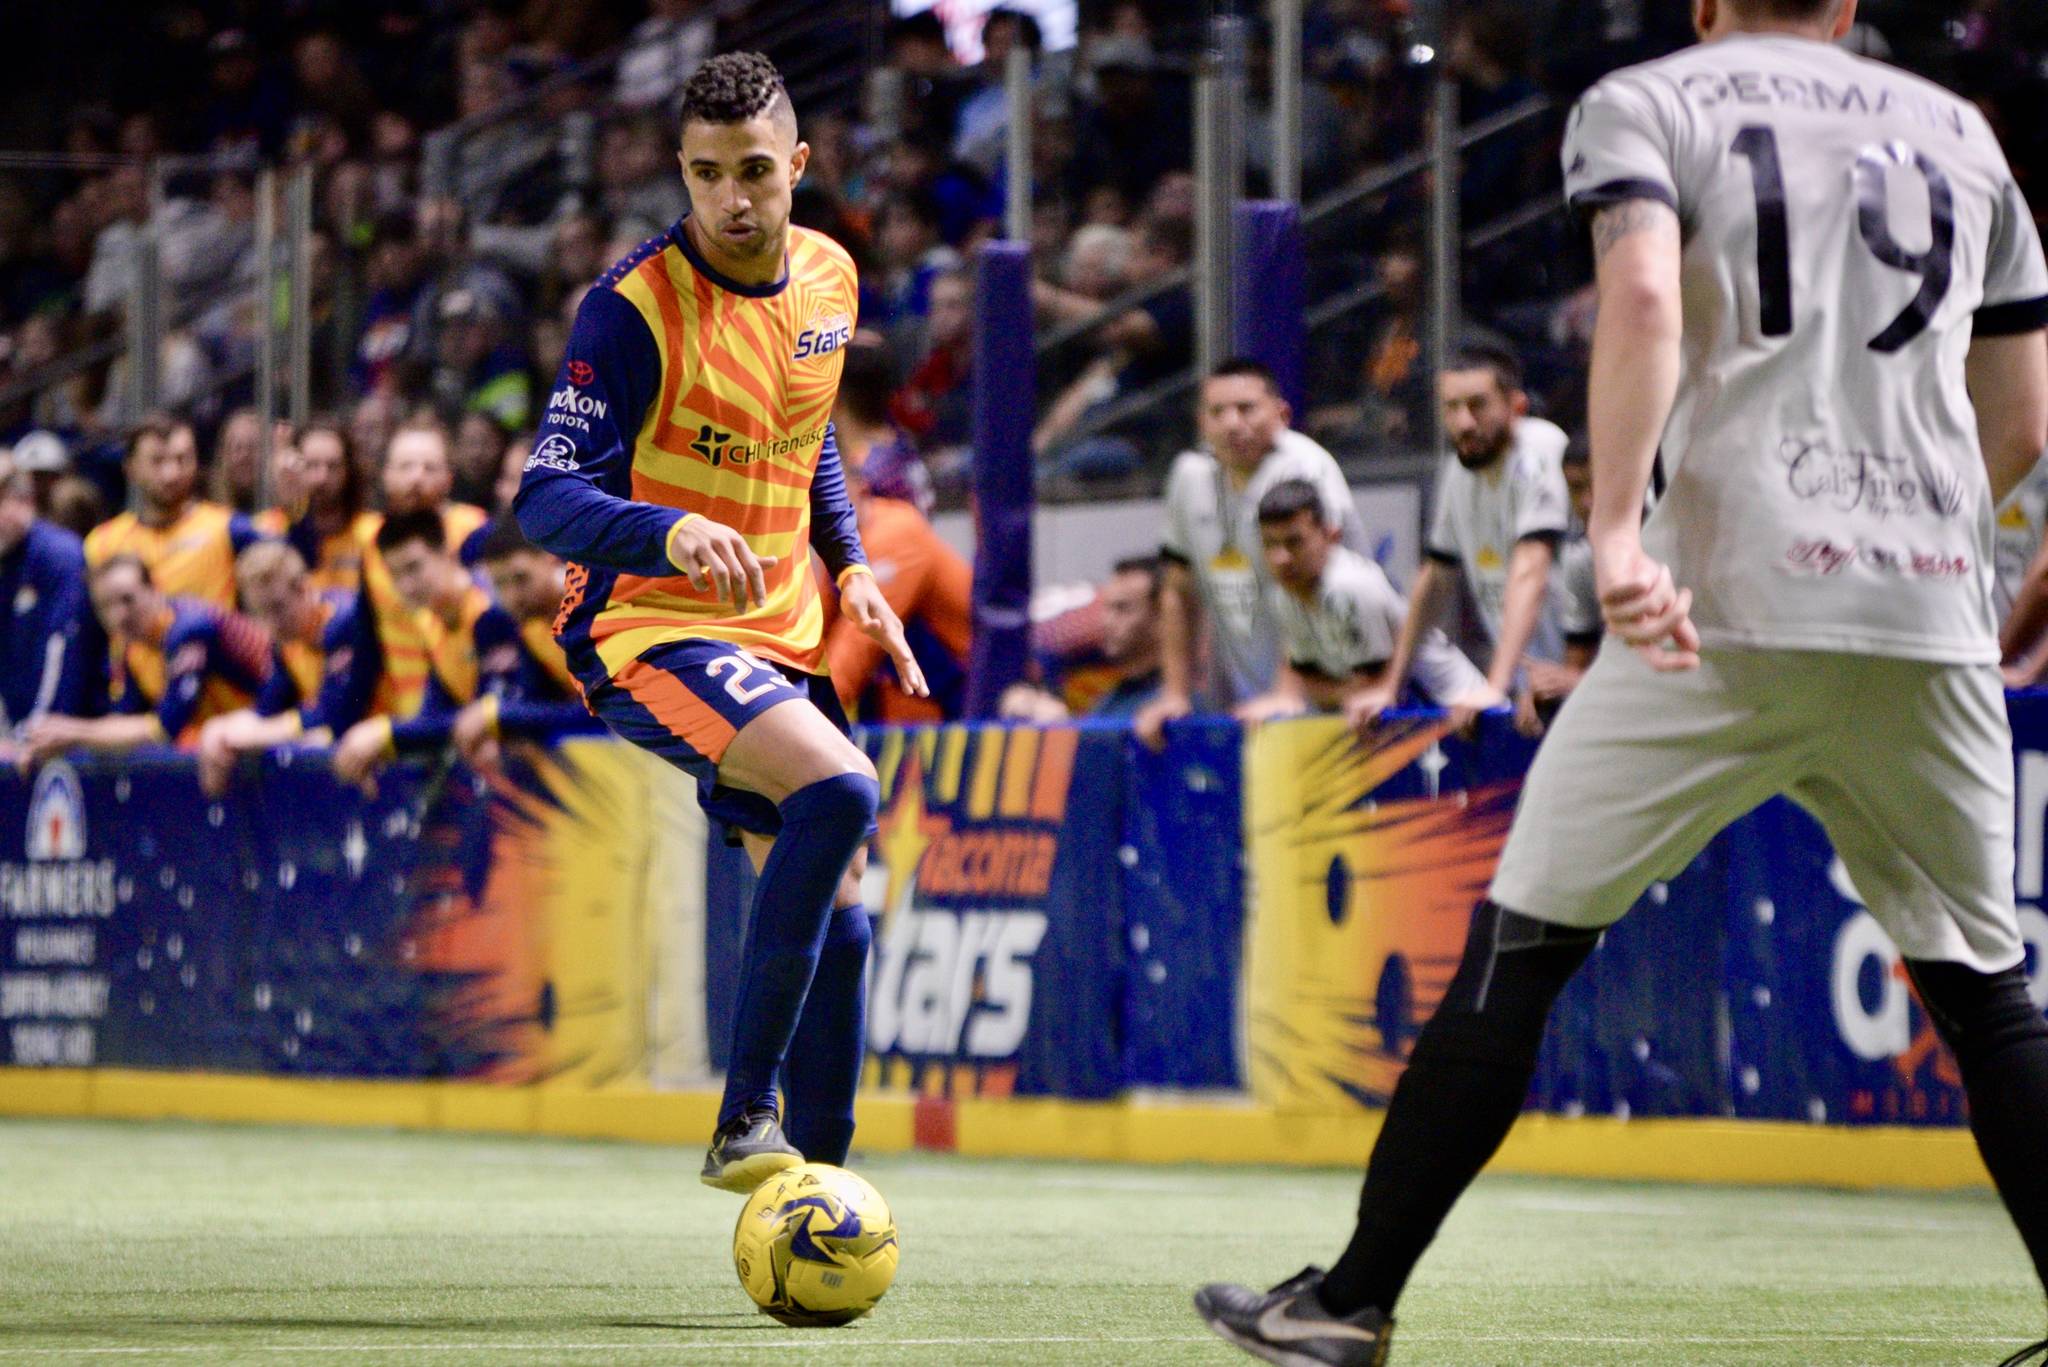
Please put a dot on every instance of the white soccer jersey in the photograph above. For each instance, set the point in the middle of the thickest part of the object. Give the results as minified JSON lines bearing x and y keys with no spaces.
{"x":1214,"y":530}
{"x":1578,"y":592}
{"x":1350,"y":624}
{"x":1481,"y":514}
{"x":1846,"y":228}
{"x":2022,"y":522}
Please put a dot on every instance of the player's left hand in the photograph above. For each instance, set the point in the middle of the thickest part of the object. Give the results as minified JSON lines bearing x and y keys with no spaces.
{"x":361,"y":753}
{"x":1463,"y":713}
{"x":475,"y":737}
{"x":1527,"y":720}
{"x":862,"y":601}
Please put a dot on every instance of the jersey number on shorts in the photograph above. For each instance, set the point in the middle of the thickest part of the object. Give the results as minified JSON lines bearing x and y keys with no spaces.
{"x":1935,"y":266}
{"x":741,"y":668}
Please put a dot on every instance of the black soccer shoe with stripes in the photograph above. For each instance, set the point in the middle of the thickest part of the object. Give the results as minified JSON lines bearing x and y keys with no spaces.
{"x":2033,"y":1352}
{"x":748,"y":1152}
{"x":1289,"y":1326}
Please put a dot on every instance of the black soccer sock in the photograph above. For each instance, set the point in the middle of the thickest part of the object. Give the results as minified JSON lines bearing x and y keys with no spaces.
{"x":2001,"y":1044}
{"x":1463,"y":1088}
{"x":822,"y":1072}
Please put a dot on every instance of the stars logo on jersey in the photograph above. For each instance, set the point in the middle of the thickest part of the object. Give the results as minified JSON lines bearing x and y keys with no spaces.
{"x":823,"y":337}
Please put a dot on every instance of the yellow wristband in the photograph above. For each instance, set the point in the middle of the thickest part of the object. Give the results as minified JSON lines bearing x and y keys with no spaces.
{"x":383,"y":724}
{"x":669,"y":546}
{"x":491,"y":702}
{"x":852,"y":570}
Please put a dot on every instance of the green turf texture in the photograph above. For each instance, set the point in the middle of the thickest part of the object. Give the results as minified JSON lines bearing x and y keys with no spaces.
{"x":187,"y":1244}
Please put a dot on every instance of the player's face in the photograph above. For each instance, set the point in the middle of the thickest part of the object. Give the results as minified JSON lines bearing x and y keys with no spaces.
{"x":165,"y":469}
{"x":123,"y":602}
{"x":740,"y":177}
{"x":323,"y":468}
{"x":1296,"y":551}
{"x":416,"y":572}
{"x":1479,"y":415}
{"x":278,"y":599}
{"x":240,"y":450}
{"x":1130,"y":623}
{"x":416,"y":472}
{"x":1578,"y":483}
{"x":528,"y":583}
{"x":1241,"y":418}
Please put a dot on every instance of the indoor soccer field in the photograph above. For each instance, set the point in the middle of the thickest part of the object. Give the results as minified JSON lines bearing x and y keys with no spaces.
{"x":143,"y":1242}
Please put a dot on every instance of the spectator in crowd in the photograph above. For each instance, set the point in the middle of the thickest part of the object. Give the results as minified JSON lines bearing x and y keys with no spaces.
{"x":918,"y":90}
{"x":396,"y":274}
{"x":1216,"y":583}
{"x":1501,"y":511}
{"x":334,"y":525}
{"x":44,"y":641}
{"x":925,"y":580}
{"x":529,"y":583}
{"x":310,"y":632}
{"x":1394,"y":397}
{"x":935,"y":405}
{"x":983,"y":119}
{"x":1338,"y":615}
{"x":912,"y":254}
{"x":75,"y":504}
{"x":638,"y":189}
{"x":663,"y":52}
{"x":392,"y":645}
{"x":1140,"y":123}
{"x":475,"y":648}
{"x":188,"y":545}
{"x":43,"y":458}
{"x":239,"y":450}
{"x":1126,"y":653}
{"x":1140,"y":348}
{"x":180,"y":662}
{"x":477,"y":369}
{"x":1578,"y":602}
{"x":479,"y":451}
{"x":250,"y":106}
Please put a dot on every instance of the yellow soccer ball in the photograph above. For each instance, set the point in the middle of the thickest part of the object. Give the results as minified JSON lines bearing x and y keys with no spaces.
{"x":816,"y":1245}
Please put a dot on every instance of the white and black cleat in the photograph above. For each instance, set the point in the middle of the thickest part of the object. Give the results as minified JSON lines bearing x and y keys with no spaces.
{"x":1289,"y":1326}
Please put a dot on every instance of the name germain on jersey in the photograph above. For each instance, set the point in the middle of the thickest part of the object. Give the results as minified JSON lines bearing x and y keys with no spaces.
{"x":1811,"y":94}
{"x":823,"y":336}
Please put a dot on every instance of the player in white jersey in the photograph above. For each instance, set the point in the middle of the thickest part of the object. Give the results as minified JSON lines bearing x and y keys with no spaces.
{"x":1214,"y":576}
{"x":1577,"y":596}
{"x":1500,"y":513}
{"x":1809,"y":266}
{"x":2020,"y":586}
{"x":1338,"y":614}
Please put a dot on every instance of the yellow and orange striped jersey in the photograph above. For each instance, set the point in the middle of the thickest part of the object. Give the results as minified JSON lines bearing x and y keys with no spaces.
{"x":685,"y":392}
{"x":404,"y":636}
{"x":193,"y":556}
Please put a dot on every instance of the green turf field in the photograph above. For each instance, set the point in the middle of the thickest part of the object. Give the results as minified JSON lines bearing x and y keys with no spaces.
{"x":146,"y":1242}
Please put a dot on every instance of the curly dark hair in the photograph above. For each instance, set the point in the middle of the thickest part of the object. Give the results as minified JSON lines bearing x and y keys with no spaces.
{"x":732,"y":88}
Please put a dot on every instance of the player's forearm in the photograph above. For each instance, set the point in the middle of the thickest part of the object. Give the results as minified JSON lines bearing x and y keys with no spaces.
{"x":575,"y":520}
{"x":1422,"y":609}
{"x":835,"y":528}
{"x":1528,"y":574}
{"x":2008,"y":378}
{"x":1176,"y":641}
{"x":2028,"y":619}
{"x":1634,"y":373}
{"x":121,"y":733}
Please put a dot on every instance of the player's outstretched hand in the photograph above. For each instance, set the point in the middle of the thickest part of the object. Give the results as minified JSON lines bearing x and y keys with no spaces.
{"x":860,"y":598}
{"x":718,"y":559}
{"x":1644,"y":607}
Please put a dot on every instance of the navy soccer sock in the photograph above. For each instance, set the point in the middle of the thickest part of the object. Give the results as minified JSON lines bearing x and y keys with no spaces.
{"x":822,"y":1071}
{"x":1463,"y":1087}
{"x":822,"y":827}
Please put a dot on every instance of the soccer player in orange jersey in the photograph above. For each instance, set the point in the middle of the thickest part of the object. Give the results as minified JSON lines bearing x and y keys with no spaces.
{"x":187,"y":544}
{"x":687,"y":471}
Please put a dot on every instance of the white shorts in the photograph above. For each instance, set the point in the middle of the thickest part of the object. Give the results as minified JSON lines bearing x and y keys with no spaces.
{"x":1907,"y":766}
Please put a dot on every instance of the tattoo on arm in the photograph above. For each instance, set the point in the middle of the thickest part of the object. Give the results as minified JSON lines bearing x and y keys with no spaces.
{"x":1630,"y":216}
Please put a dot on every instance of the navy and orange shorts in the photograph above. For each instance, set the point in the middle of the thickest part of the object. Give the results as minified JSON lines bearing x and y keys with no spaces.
{"x":686,"y":700}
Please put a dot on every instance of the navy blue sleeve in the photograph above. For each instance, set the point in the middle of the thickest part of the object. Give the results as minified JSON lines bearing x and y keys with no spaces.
{"x":429,"y":728}
{"x":503,"y":668}
{"x":188,"y":658}
{"x":546,"y":720}
{"x":280,"y":692}
{"x":355,"y":661}
{"x":835,"y":530}
{"x":575,"y":498}
{"x":62,"y":625}
{"x":242,"y":532}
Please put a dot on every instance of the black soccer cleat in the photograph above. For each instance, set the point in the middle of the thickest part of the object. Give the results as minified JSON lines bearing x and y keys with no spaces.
{"x":1289,"y":1326}
{"x":2033,"y":1352}
{"x":748,"y":1152}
